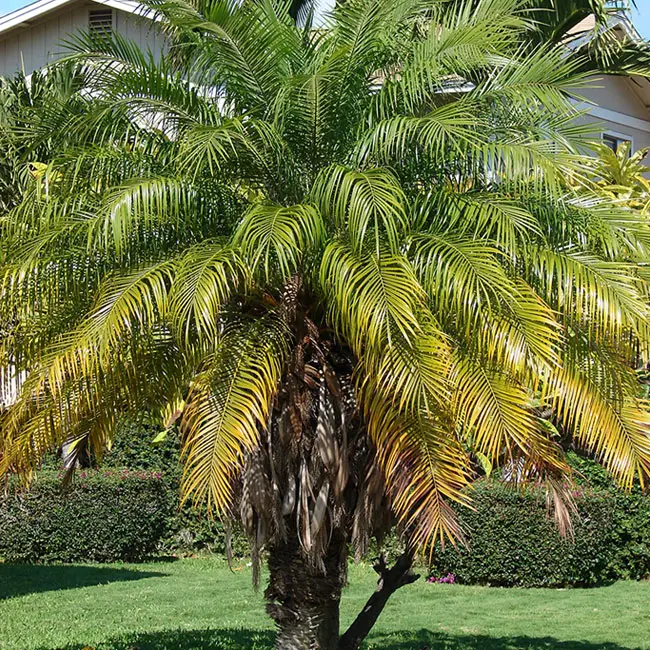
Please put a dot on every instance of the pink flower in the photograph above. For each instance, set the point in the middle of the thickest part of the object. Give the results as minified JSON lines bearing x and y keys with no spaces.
{"x":449,"y":579}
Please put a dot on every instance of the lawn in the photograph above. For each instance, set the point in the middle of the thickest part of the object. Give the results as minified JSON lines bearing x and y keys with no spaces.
{"x":200,"y":605}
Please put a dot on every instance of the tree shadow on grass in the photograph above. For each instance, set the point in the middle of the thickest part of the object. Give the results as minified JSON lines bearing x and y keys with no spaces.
{"x":22,"y":579}
{"x":425,"y":640}
{"x":230,"y":639}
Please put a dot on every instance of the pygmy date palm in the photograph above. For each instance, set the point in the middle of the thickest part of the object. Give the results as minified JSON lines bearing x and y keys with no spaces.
{"x":344,"y":259}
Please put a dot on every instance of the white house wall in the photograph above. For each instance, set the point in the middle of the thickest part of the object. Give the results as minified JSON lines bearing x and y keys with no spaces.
{"x":141,"y":31}
{"x":614,"y":108}
{"x":615,"y":93}
{"x":640,"y":137}
{"x":32,"y":47}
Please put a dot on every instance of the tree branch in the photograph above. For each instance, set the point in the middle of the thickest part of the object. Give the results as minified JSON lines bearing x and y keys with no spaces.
{"x":390,"y":580}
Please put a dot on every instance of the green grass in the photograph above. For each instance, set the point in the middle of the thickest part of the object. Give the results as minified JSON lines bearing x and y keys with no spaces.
{"x":201,"y":605}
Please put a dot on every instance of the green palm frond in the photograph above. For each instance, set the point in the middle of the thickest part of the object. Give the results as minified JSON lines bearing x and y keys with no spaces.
{"x":206,"y":277}
{"x":136,"y":300}
{"x":273,"y":239}
{"x":142,"y":203}
{"x":368,"y":205}
{"x":371,"y":295}
{"x":486,"y":216}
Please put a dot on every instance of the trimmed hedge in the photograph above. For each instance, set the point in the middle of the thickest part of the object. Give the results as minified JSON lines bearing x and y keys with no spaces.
{"x":116,"y":514}
{"x":33,"y":530}
{"x":104,"y":517}
{"x":513,"y":541}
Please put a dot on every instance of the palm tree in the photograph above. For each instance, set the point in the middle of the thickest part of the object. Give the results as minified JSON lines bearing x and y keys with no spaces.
{"x":345,"y":261}
{"x":21,"y":99}
{"x":600,"y":31}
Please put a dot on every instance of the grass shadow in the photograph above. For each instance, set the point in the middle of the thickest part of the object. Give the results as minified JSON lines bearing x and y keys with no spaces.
{"x":231,"y":639}
{"x":426,"y":640}
{"x":23,"y":579}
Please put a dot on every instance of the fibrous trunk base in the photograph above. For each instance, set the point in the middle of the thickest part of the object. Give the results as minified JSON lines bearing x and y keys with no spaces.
{"x":304,"y":600}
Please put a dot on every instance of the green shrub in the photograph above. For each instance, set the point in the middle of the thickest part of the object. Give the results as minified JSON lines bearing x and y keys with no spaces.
{"x":117,"y":514}
{"x":188,"y":530}
{"x":514,"y":542}
{"x":134,"y":447}
{"x":104,"y":516}
{"x":630,"y":537}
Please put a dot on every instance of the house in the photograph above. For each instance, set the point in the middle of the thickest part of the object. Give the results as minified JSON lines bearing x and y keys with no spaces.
{"x":618,"y":107}
{"x":33,"y":36}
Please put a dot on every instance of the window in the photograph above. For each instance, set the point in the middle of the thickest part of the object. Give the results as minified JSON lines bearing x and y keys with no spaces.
{"x":100,"y":21}
{"x":615,"y":140}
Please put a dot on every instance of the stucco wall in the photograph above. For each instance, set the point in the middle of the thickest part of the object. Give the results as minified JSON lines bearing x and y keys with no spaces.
{"x":598,"y":126}
{"x":616,"y":94}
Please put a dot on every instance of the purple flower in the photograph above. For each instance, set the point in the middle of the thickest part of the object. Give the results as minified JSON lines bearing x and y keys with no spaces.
{"x":449,"y":579}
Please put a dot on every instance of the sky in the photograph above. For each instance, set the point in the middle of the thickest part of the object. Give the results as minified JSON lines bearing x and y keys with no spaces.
{"x":641,"y":14}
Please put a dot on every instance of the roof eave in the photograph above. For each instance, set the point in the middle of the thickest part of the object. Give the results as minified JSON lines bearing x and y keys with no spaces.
{"x":23,"y":17}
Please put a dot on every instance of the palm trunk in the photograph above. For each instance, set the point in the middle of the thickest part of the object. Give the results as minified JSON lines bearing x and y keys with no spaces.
{"x":302,"y":599}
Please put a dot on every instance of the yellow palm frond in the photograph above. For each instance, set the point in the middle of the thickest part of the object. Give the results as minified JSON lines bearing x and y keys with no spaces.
{"x":616,"y":430}
{"x":206,"y":277}
{"x":228,"y":405}
{"x":369,"y":205}
{"x":370,"y":295}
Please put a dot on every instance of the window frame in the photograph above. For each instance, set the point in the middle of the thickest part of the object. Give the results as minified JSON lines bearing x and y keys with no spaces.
{"x":619,"y":138}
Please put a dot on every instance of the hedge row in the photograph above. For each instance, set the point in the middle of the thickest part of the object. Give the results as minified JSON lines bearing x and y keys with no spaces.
{"x":103,"y":517}
{"x":514,"y":542}
{"x":117,"y":514}
{"x":106,"y":516}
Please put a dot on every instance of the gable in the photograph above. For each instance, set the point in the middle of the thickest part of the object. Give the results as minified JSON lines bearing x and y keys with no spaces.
{"x":32,"y":37}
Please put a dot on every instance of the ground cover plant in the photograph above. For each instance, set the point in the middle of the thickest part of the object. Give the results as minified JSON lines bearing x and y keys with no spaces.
{"x":201,"y":605}
{"x":346,"y":261}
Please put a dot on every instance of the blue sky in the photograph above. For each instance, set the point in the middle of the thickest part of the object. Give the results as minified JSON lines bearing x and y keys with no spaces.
{"x":641,"y":15}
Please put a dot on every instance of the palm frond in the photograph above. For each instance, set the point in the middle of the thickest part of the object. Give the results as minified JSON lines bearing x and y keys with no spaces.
{"x":228,"y":405}
{"x":274,"y":239}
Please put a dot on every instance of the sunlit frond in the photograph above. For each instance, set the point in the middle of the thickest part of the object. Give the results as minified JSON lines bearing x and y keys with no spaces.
{"x":601,"y":294}
{"x":206,"y":277}
{"x":274,"y":239}
{"x":495,"y":412}
{"x":616,"y":430}
{"x":228,"y":405}
{"x":373,"y":297}
{"x":369,"y":205}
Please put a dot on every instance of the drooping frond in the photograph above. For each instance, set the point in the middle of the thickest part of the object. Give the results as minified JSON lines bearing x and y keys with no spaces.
{"x":495,"y":412}
{"x":613,"y":428}
{"x":601,"y":294}
{"x":228,"y":406}
{"x":373,"y":296}
{"x":273,"y":239}
{"x":207,"y":275}
{"x":369,"y":205}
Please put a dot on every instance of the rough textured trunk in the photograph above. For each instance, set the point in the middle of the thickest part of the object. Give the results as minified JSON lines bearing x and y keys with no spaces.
{"x":303,"y":600}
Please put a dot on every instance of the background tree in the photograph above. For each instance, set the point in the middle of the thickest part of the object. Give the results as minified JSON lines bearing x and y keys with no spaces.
{"x":345,"y":261}
{"x":600,"y":31}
